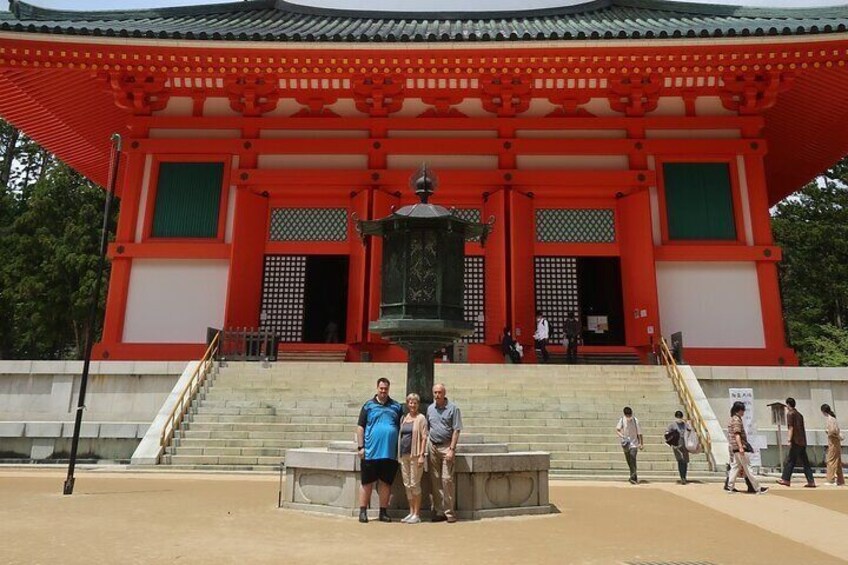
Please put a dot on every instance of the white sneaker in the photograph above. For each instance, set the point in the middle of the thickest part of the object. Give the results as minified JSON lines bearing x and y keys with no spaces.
{"x":406,"y":518}
{"x":414,"y":519}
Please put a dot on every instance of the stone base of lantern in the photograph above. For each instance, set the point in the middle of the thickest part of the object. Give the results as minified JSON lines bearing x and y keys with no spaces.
{"x":490,"y":482}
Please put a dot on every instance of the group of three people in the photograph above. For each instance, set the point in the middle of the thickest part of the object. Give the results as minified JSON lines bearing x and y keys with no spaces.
{"x":385,"y":434}
{"x":572,"y":335}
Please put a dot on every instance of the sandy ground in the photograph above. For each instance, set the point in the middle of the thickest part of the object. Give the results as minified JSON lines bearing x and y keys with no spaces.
{"x":146,"y":518}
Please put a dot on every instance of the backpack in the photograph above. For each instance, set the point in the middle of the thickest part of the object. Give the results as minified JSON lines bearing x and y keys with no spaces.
{"x":672,"y":438}
{"x":692,"y":441}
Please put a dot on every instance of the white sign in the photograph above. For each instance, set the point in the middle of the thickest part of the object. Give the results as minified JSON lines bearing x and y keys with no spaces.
{"x":746,"y":396}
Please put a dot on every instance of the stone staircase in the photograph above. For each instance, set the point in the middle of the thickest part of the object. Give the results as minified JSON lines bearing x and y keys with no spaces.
{"x":248,"y":415}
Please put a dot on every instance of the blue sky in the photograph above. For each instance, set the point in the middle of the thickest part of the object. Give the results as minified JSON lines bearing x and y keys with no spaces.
{"x":100,"y":5}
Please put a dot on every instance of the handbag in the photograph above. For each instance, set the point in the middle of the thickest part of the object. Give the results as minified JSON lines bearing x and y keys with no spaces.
{"x":748,"y":448}
{"x":692,"y":441}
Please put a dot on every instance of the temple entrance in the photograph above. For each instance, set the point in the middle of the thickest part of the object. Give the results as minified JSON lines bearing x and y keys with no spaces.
{"x":304,"y":297}
{"x":589,"y":286}
{"x":325,"y":300}
{"x":601,"y":305}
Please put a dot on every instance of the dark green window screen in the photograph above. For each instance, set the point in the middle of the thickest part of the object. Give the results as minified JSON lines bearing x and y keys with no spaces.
{"x":188,"y":199}
{"x":699,"y":201}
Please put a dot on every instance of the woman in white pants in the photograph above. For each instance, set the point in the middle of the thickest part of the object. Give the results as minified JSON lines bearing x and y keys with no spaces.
{"x":412,"y":448}
{"x":738,"y":440}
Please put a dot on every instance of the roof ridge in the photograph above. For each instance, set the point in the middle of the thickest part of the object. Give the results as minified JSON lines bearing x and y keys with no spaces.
{"x":26,"y":11}
{"x":736,"y":10}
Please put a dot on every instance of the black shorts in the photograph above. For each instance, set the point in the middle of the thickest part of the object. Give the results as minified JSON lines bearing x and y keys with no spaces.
{"x":378,"y":469}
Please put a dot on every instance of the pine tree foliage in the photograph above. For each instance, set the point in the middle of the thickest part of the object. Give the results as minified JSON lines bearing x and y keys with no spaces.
{"x":812,"y":228}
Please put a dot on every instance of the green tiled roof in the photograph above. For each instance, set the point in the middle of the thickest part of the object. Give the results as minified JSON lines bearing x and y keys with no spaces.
{"x":268,"y":20}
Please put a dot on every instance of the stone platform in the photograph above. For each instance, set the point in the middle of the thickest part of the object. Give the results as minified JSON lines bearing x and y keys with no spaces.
{"x":490,"y":481}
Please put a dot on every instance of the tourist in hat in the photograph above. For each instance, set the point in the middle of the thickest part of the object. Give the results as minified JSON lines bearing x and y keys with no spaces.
{"x":833,"y":459}
{"x":739,"y":449}
{"x":412,"y":448}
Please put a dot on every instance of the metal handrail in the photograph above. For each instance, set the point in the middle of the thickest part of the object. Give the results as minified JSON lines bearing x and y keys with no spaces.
{"x":685,"y":396}
{"x":188,"y":394}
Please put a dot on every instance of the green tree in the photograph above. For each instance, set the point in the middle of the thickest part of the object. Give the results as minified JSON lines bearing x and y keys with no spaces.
{"x":812,"y":228}
{"x":50,"y":219}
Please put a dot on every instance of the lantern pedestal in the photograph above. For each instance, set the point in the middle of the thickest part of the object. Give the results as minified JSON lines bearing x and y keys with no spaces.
{"x":421,"y":339}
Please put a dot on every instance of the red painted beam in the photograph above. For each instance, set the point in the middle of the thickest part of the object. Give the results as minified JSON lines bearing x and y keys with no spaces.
{"x":718,"y":252}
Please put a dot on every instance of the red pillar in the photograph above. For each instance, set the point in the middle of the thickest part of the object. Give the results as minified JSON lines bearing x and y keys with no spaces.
{"x":496,"y":268}
{"x":244,"y":287}
{"x":638,"y":270}
{"x":522,"y":236}
{"x":357,"y":303}
{"x":767,"y":275}
{"x":119,"y":277}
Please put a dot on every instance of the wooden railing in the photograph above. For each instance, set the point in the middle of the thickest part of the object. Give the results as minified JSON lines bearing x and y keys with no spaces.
{"x":189,"y":392}
{"x":688,"y":402}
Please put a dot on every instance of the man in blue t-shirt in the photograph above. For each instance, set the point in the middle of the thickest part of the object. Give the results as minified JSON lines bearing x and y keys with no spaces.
{"x":377,"y":440}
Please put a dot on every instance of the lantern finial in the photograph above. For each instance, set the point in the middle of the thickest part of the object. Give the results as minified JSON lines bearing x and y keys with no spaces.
{"x":424,"y":183}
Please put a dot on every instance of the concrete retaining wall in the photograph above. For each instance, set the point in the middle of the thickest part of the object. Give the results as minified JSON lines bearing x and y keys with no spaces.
{"x":809,"y":386}
{"x":38,"y":402}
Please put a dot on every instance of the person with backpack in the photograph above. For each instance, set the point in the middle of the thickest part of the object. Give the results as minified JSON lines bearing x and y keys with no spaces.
{"x":541,"y":336}
{"x":675,"y":436}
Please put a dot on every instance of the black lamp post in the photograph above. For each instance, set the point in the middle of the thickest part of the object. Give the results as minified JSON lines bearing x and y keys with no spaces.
{"x":421,"y":307}
{"x":92,"y":313}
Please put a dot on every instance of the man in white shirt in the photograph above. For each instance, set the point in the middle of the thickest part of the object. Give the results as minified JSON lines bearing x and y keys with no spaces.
{"x":630,"y":433}
{"x":541,"y":336}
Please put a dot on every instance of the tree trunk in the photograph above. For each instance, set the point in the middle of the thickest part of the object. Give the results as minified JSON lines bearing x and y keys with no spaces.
{"x":9,"y":153}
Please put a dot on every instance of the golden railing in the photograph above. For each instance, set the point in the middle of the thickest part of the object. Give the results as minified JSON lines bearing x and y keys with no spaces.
{"x":688,"y":402}
{"x":188,"y":394}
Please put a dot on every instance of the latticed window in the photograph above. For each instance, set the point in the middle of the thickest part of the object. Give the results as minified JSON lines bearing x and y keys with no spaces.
{"x":556,"y":291}
{"x":284,"y":296}
{"x":475,"y":297}
{"x":188,"y":200}
{"x":469,"y":215}
{"x":575,"y":225}
{"x":699,"y":201}
{"x":308,"y":224}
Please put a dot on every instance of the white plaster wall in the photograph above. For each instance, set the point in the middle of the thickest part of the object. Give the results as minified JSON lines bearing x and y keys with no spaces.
{"x":312,"y":133}
{"x":600,"y":107}
{"x":174,"y":301}
{"x":444,"y":133}
{"x":177,"y":106}
{"x":142,"y":204}
{"x":711,"y":106}
{"x":285,"y":107}
{"x":442,"y":161}
{"x":231,"y":206}
{"x":539,"y":107}
{"x":669,"y":106}
{"x":165,"y":133}
{"x":571,"y":133}
{"x":313,"y":161}
{"x":714,"y":304}
{"x":412,"y":107}
{"x":346,"y":107}
{"x":219,"y":107}
{"x":692,"y":134}
{"x":746,"y":203}
{"x":473,"y":108}
{"x":573,"y":162}
{"x":653,"y":193}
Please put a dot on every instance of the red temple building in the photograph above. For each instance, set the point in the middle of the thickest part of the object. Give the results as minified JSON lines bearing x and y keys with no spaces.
{"x":628,"y":152}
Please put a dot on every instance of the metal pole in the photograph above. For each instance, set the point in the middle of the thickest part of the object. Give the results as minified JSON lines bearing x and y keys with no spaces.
{"x":92,"y":314}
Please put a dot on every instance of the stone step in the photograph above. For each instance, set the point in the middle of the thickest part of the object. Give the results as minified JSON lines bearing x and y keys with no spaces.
{"x":248,"y":443}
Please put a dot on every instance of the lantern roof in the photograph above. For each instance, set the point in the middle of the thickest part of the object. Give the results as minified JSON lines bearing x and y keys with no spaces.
{"x":278,"y":20}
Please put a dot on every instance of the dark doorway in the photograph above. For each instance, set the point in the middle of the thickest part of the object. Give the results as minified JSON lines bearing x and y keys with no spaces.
{"x":325,"y":300}
{"x":599,"y":290}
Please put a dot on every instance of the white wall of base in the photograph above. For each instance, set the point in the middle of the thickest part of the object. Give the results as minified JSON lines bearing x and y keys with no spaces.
{"x":714,"y":304}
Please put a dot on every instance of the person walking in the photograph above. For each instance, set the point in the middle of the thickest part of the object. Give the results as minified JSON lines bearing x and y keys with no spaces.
{"x":797,"y":443}
{"x":675,"y":436}
{"x":630,"y":433}
{"x":508,"y":348}
{"x":572,"y":337}
{"x":445,"y":421}
{"x":541,"y":336}
{"x":377,"y":439}
{"x":412,"y":448}
{"x":835,"y":474}
{"x":739,"y":449}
